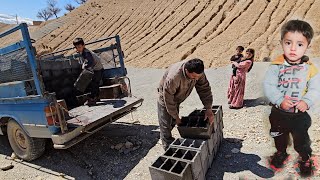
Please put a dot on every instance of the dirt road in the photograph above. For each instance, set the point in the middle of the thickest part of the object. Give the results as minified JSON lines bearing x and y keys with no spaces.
{"x":245,"y":129}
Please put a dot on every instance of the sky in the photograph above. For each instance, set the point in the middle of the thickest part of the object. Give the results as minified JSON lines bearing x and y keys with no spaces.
{"x":29,"y":8}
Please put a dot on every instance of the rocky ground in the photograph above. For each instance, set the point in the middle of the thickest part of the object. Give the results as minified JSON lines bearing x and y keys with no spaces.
{"x":125,"y":149}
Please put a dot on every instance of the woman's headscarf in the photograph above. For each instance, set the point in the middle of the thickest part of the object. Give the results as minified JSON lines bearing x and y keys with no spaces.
{"x":250,"y":50}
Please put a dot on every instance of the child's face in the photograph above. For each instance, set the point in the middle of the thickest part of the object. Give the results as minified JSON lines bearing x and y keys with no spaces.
{"x":238,"y":51}
{"x":294,"y":45}
{"x":248,"y":55}
{"x":80,"y":48}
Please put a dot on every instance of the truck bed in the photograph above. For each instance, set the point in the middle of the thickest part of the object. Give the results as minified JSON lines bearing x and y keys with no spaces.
{"x":86,"y":120}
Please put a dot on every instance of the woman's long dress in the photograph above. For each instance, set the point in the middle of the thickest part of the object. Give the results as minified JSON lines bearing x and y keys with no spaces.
{"x":237,"y":84}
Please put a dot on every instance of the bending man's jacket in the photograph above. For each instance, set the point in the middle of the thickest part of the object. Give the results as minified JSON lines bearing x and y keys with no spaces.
{"x":175,"y":86}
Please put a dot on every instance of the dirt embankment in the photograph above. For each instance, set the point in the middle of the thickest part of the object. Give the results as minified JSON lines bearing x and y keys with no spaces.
{"x":158,"y":33}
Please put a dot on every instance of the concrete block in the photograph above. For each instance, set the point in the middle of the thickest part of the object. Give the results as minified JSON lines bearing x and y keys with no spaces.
{"x":82,"y":98}
{"x":216,"y":149}
{"x":57,"y":73}
{"x":195,"y":127}
{"x":110,"y":92}
{"x":46,"y":73}
{"x":211,"y":143}
{"x":188,"y":155}
{"x":202,"y":175}
{"x":220,"y":133}
{"x":195,"y":144}
{"x":167,"y":168}
{"x":201,"y":146}
{"x":218,"y":111}
{"x":177,"y":142}
{"x":211,"y":158}
{"x":216,"y":146}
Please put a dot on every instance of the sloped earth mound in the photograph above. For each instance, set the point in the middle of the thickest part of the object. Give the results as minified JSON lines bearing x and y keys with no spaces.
{"x":158,"y":33}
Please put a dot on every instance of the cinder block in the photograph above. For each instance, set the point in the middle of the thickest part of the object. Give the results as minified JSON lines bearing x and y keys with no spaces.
{"x":57,"y":73}
{"x":202,"y":175}
{"x":110,"y":92}
{"x":211,"y":143}
{"x":201,"y":146}
{"x":167,"y":168}
{"x":46,"y":73}
{"x":215,"y":141}
{"x":193,"y":144}
{"x":177,"y":142}
{"x":220,"y":132}
{"x":195,"y":127}
{"x":217,"y":148}
{"x":211,"y":158}
{"x":188,"y":155}
{"x":82,"y":98}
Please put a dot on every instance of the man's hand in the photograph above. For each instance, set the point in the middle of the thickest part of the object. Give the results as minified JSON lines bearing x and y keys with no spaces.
{"x":209,"y":114}
{"x":302,"y":106}
{"x":286,"y":104}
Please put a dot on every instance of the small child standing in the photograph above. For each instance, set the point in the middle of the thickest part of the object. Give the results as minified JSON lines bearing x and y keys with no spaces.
{"x":236,"y":58}
{"x":292,"y":86}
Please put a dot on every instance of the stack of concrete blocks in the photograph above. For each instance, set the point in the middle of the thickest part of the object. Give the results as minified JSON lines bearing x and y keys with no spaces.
{"x":59,"y":76}
{"x":217,"y":136}
{"x":196,"y":150}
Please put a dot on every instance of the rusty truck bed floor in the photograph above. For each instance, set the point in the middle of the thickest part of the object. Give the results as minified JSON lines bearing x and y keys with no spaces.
{"x":105,"y":109}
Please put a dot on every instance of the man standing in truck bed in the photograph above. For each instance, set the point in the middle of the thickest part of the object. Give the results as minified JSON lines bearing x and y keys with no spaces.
{"x":175,"y":86}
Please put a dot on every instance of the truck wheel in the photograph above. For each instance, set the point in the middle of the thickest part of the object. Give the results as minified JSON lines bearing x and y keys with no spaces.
{"x":25,"y":147}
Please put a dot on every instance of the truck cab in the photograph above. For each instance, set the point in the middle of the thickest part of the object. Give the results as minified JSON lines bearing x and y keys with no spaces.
{"x":38,"y":100}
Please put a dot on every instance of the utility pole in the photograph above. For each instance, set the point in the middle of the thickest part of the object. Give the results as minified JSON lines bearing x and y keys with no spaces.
{"x":17,"y":18}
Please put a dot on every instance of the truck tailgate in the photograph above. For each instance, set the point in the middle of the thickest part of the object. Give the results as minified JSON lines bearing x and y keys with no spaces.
{"x":87,"y":120}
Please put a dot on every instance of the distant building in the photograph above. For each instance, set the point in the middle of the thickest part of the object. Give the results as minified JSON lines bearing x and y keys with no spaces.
{"x":36,"y":23}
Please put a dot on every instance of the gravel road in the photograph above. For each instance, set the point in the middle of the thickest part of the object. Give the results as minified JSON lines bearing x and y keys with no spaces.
{"x":97,"y":157}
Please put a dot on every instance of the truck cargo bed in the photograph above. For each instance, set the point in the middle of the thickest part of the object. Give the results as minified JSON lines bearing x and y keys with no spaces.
{"x":86,"y":120}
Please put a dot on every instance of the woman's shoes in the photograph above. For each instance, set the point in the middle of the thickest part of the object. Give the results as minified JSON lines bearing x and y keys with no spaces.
{"x":233,"y":107}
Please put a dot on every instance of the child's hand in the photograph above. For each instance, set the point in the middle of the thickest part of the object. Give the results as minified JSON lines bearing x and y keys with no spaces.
{"x":84,"y":65}
{"x":302,"y":106}
{"x":286,"y":104}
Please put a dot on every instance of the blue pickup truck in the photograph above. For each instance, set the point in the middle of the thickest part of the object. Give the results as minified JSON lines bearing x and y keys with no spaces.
{"x":38,"y":101}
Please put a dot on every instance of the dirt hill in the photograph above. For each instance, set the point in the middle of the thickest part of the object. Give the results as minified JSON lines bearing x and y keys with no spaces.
{"x":156,"y":33}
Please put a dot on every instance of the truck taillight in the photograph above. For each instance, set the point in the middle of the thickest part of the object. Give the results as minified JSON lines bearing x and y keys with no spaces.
{"x":51,"y":115}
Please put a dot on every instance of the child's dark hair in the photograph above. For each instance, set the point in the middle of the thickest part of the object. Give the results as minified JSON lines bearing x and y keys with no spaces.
{"x":250,"y":50}
{"x":194,"y":66}
{"x":78,"y":41}
{"x":300,"y":26}
{"x":240,"y":48}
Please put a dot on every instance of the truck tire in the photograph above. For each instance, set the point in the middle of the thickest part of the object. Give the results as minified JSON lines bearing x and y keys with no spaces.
{"x":25,"y":147}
